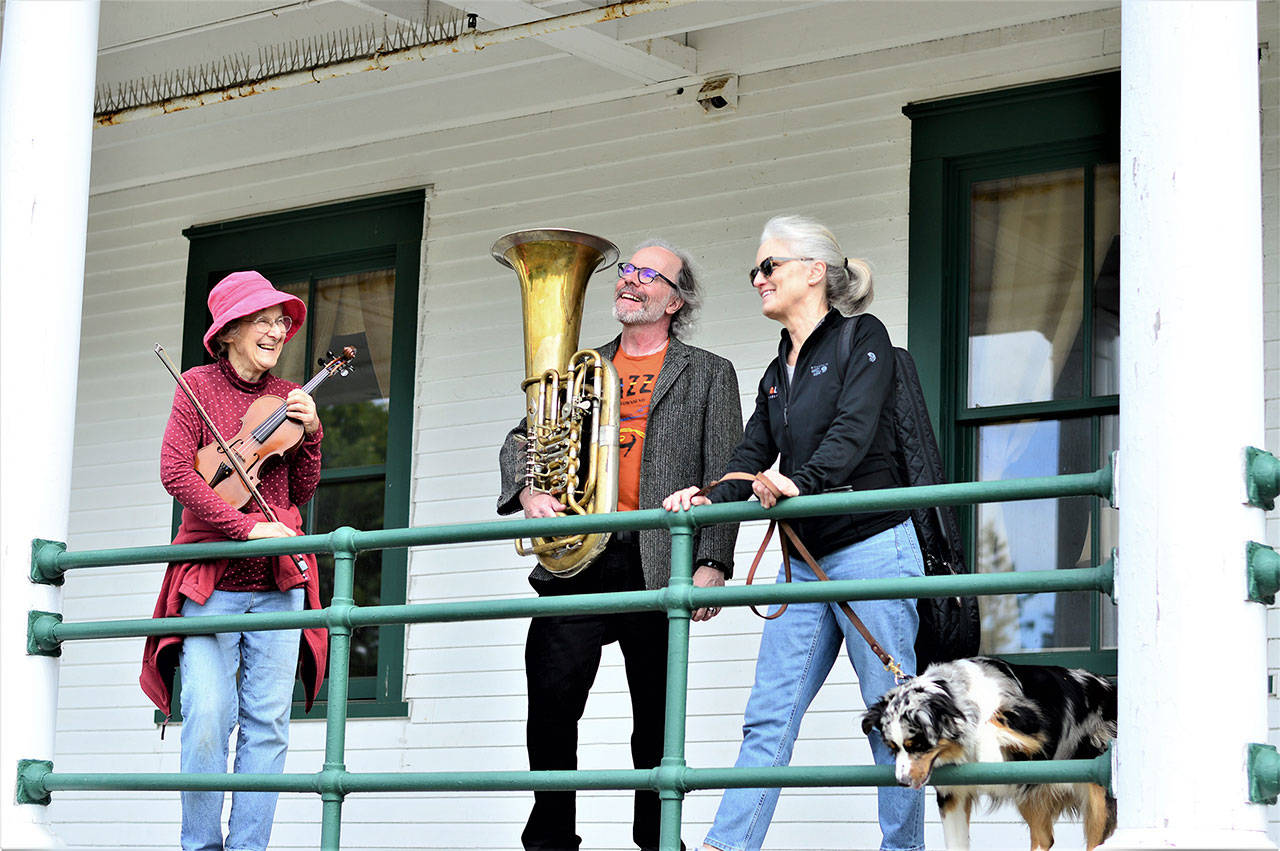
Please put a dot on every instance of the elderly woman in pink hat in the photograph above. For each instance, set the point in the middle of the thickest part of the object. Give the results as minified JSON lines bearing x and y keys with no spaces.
{"x":237,"y":678}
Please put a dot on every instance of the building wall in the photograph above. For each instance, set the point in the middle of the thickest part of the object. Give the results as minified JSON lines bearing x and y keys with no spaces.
{"x":826,"y":138}
{"x":1269,"y":122}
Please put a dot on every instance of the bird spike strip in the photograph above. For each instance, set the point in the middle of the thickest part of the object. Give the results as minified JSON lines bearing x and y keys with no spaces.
{"x":307,"y":54}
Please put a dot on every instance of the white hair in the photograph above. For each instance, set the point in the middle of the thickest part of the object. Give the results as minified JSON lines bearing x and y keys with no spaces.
{"x":849,"y":286}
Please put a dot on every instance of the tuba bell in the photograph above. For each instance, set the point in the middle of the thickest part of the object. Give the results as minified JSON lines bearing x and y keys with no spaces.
{"x":571,"y":394}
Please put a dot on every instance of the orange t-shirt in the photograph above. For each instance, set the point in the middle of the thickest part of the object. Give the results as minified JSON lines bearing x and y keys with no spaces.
{"x":638,"y":375}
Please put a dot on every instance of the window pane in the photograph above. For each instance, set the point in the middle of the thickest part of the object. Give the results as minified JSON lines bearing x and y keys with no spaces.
{"x":349,"y":310}
{"x":1025,"y":299}
{"x":356,"y":504}
{"x":1108,"y":530}
{"x":296,"y":363}
{"x":1106,"y":280}
{"x":1044,"y":534}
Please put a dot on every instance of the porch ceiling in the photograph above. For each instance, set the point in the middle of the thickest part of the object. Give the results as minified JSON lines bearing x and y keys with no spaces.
{"x":659,"y":49}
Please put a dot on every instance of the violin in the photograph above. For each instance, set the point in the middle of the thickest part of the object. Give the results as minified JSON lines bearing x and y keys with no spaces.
{"x":265,"y":432}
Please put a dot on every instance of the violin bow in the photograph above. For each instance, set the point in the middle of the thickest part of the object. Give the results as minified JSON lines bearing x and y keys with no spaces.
{"x":232,"y":457}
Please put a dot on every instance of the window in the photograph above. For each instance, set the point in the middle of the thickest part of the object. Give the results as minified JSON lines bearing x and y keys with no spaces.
{"x":1014,"y":320}
{"x":356,"y":266}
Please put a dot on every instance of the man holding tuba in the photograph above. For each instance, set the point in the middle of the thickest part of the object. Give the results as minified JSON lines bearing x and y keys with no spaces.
{"x":680,"y":419}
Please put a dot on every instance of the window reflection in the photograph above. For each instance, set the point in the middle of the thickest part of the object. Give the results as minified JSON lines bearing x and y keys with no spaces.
{"x":1045,"y":534}
{"x":357,"y":504}
{"x":1106,"y":280}
{"x":1025,"y":297}
{"x":1108,"y":530}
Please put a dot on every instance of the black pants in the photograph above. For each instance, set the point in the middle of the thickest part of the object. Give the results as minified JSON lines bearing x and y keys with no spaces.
{"x":562,"y":655}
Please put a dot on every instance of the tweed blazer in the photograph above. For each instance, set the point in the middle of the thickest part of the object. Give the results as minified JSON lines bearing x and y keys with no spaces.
{"x":695,"y":421}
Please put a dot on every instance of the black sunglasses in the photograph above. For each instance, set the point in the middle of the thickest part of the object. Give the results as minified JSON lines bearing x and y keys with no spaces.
{"x":644,"y":274}
{"x":768,"y":264}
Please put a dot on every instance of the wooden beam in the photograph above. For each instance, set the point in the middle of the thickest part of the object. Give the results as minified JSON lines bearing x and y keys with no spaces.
{"x":654,"y":60}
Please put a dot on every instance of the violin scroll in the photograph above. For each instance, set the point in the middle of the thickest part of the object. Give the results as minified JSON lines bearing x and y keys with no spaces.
{"x":338,"y":364}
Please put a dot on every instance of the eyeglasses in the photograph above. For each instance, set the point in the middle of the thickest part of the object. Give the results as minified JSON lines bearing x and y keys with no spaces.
{"x":768,"y":265}
{"x":262,"y":324}
{"x":644,"y":274}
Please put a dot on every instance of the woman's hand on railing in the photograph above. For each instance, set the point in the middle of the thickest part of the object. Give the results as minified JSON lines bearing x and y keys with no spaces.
{"x":270,"y":530}
{"x":774,"y":487}
{"x":683,"y":500}
{"x":707,"y":576}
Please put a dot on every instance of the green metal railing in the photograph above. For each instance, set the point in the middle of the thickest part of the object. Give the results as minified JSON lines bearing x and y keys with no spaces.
{"x":672,"y":778}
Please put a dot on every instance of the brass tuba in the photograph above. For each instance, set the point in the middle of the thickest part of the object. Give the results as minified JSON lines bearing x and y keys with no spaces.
{"x":572,"y":394}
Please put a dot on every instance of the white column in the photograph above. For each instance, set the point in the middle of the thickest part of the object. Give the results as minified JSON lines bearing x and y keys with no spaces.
{"x":1192,"y":657}
{"x":47,"y":66}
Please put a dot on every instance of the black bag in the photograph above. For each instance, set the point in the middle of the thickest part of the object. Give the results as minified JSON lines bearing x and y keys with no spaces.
{"x":950,"y":627}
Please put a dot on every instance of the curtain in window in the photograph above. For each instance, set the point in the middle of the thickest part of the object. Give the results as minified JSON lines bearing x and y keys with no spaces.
{"x":349,"y":306}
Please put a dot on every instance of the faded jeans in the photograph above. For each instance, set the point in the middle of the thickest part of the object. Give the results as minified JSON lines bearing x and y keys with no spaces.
{"x":215,"y":699}
{"x":797,"y":651}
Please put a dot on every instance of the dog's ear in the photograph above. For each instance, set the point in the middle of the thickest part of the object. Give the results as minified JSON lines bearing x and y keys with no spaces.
{"x":871,"y":718}
{"x":948,"y":718}
{"x":950,"y":725}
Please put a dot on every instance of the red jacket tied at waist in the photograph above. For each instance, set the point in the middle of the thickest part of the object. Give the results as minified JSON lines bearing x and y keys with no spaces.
{"x":196,"y":580}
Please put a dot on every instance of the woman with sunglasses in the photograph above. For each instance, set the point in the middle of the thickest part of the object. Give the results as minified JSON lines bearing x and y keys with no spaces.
{"x":243,"y":678}
{"x":821,"y":411}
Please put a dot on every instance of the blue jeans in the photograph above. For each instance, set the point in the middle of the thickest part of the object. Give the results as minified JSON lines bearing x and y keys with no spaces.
{"x":797,"y":651}
{"x":214,"y":699}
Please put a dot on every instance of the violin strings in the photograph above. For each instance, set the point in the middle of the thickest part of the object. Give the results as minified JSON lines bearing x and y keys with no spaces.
{"x":280,"y":414}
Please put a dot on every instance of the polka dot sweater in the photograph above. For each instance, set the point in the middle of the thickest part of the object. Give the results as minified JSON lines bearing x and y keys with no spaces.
{"x":285,"y":482}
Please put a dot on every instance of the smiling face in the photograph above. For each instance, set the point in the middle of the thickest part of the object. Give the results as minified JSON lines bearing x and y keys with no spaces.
{"x":252,"y":352}
{"x":795,"y":286}
{"x":635,"y":303}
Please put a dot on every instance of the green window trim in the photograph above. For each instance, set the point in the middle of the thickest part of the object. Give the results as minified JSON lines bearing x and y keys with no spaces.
{"x":955,"y":142}
{"x":334,"y":239}
{"x":949,"y":135}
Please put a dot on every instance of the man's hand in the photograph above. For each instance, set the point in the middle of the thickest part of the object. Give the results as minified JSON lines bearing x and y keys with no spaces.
{"x":538,"y":504}
{"x":683,"y":500}
{"x":707,"y":576}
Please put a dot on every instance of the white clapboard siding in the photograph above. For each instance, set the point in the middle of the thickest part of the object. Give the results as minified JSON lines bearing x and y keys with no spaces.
{"x":826,"y":138}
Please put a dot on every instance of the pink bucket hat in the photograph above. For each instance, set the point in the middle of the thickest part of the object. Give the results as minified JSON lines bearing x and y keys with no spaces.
{"x":242,"y":294}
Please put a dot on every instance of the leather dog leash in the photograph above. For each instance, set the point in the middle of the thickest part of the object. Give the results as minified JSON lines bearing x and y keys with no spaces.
{"x":786,"y":533}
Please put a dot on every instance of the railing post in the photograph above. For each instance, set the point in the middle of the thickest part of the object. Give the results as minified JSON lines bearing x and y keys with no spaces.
{"x":335,"y":741}
{"x":45,"y":144}
{"x":1191,"y":400}
{"x":673,"y":729}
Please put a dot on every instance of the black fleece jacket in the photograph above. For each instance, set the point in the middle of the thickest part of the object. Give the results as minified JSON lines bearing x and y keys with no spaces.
{"x":831,"y":424}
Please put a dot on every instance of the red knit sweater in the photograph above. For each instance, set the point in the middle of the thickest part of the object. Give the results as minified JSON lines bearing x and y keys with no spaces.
{"x":285,"y":483}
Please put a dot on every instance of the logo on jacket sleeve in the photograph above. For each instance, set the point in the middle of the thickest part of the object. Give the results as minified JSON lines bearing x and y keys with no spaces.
{"x":871,"y":356}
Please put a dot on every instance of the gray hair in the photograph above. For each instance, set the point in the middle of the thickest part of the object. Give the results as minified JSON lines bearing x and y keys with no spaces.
{"x":222,"y":340}
{"x":682,"y":321}
{"x":849,"y":287}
